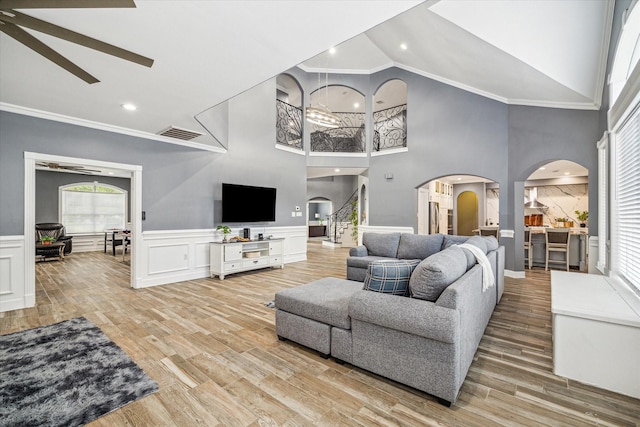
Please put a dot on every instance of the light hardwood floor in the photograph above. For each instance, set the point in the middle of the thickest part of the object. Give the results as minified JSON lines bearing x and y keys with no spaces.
{"x":212,"y":348}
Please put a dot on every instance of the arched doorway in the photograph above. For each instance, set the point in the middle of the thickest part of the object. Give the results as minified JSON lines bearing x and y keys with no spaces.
{"x":438,"y":198}
{"x":319,"y":210}
{"x":467,"y":209}
{"x":556,"y":195}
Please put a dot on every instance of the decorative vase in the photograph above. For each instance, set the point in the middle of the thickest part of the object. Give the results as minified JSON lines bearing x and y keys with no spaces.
{"x":46,"y":242}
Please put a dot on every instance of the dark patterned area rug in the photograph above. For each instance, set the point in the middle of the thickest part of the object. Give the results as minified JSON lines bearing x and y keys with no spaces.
{"x":68,"y":373}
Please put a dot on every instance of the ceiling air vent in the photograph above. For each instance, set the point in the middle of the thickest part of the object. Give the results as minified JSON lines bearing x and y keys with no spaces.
{"x":178,"y":133}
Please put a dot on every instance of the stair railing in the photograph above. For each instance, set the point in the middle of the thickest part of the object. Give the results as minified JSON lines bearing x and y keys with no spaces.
{"x":339,"y":220}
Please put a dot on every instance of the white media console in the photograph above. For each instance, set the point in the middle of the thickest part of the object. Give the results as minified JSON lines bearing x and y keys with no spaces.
{"x":227,"y":258}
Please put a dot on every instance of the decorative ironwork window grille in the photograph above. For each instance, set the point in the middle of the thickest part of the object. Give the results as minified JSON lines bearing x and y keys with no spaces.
{"x":390,"y":128}
{"x":288,"y":125}
{"x":349,"y":137}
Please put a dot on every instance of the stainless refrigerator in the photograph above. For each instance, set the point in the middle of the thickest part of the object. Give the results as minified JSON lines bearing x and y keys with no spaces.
{"x":434,"y":217}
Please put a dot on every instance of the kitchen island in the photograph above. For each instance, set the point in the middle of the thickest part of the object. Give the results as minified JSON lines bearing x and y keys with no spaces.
{"x":578,"y":248}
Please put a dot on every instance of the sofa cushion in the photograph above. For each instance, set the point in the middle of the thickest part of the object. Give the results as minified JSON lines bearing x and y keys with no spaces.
{"x":477,"y":241}
{"x":432,"y":276}
{"x":450,"y":240}
{"x":390,"y":277}
{"x":381,"y":244}
{"x":419,"y":246}
{"x":491,"y":242}
{"x":364,"y":261}
{"x":325,"y":300}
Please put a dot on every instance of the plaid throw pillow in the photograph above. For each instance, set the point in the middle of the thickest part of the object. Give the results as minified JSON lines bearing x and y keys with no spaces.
{"x":390,"y":276}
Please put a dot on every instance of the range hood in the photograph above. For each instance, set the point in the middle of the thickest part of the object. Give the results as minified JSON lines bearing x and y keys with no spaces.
{"x":533,"y":202}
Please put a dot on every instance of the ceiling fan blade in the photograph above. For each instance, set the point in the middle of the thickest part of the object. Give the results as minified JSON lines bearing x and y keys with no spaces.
{"x":64,"y":4}
{"x":39,"y":25}
{"x":28,"y":40}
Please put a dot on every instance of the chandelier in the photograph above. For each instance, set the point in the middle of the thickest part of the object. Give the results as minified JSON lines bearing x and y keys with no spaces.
{"x":321,"y":115}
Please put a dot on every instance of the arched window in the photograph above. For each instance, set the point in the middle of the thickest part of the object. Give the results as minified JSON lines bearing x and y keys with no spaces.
{"x":390,"y":116}
{"x":288,"y":113}
{"x":92,"y":207}
{"x":627,"y":55}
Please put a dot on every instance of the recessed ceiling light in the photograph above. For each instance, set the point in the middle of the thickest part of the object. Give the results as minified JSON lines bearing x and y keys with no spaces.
{"x":336,"y":170}
{"x":459,"y":179}
{"x":111,"y":173}
{"x":356,"y":105}
{"x":542,"y":168}
{"x":129,"y":107}
{"x":332,"y":50}
{"x":404,"y":46}
{"x":567,"y":173}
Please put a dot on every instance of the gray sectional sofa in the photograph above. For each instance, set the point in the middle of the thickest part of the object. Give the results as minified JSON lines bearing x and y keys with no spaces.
{"x":385,"y":246}
{"x":427,"y":340}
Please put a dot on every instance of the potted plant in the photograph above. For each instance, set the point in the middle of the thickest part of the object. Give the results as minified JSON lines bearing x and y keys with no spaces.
{"x":560,"y":221}
{"x":225,"y":230}
{"x":46,"y":240}
{"x":353,"y":217}
{"x":582,"y":216}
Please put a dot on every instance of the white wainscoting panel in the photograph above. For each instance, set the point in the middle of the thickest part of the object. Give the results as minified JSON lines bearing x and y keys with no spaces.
{"x":88,"y":243}
{"x":170,"y":256}
{"x":13,"y":290}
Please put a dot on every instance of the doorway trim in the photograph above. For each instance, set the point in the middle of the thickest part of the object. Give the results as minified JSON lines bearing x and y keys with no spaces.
{"x":30,"y":160}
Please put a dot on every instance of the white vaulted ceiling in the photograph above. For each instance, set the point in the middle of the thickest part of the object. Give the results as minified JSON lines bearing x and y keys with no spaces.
{"x":546,"y":53}
{"x":530,"y":52}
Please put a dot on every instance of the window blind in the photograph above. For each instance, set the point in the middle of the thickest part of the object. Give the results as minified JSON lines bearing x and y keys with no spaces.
{"x":627,"y":200}
{"x":85,"y":212}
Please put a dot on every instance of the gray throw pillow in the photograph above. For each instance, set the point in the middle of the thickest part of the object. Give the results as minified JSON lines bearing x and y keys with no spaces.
{"x":450,"y":240}
{"x":381,"y":244}
{"x":434,"y":274}
{"x":477,"y":241}
{"x":389,"y":276}
{"x":491,"y":242}
{"x":419,"y":246}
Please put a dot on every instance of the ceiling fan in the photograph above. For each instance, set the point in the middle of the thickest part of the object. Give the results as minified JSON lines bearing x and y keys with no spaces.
{"x":11,"y":22}
{"x":77,"y":169}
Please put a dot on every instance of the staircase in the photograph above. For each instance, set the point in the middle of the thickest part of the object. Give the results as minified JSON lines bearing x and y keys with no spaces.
{"x":340,"y":225}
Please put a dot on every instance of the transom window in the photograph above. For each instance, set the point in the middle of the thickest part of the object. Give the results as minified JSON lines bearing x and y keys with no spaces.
{"x":92,"y":207}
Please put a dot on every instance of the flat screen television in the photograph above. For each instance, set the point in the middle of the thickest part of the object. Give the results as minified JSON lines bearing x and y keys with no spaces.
{"x":245,"y":203}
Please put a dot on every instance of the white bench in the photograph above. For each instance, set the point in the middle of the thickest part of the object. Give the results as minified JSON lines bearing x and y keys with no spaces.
{"x":596,"y":332}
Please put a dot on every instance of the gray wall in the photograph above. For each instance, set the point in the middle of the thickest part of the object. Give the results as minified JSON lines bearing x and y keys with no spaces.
{"x":337,"y":189}
{"x":449,"y":132}
{"x":47,"y":195}
{"x":538,"y":136}
{"x":179,"y":184}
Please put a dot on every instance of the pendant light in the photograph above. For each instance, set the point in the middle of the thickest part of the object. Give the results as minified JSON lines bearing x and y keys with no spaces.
{"x":321,"y":115}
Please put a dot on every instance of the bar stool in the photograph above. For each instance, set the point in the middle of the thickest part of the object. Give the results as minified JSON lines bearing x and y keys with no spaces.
{"x":557,"y":240}
{"x":528,"y":256}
